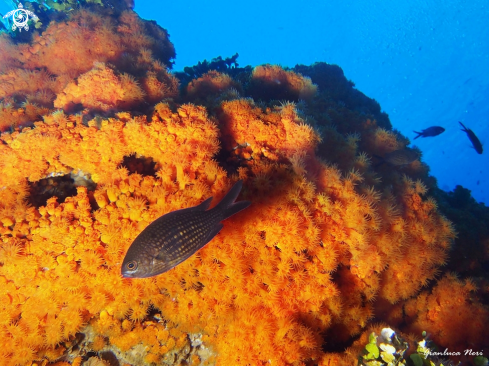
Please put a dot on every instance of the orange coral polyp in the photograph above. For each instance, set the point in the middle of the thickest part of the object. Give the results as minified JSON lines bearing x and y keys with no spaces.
{"x":452,"y":317}
{"x":289,"y":83}
{"x":100,"y":89}
{"x":211,"y":83}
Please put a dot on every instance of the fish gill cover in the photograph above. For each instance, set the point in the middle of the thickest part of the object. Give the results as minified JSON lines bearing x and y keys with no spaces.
{"x":99,"y":141}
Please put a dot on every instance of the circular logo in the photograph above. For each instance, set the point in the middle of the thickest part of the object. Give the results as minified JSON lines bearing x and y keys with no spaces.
{"x":20,"y":17}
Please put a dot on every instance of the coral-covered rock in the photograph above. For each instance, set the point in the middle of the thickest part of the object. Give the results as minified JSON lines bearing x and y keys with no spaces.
{"x":451,"y":315}
{"x":334,"y":238}
{"x":66,"y":51}
{"x":273,"y":82}
{"x":211,"y":84}
{"x":257,"y":277}
{"x":11,"y":117}
{"x":100,"y":89}
{"x":270,"y":135}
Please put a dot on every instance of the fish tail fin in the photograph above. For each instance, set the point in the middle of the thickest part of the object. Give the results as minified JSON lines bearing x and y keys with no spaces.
{"x":419,"y":134}
{"x":465,"y":128}
{"x":227,"y":204}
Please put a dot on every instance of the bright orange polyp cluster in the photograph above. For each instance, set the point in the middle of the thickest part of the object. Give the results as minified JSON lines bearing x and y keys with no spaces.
{"x":99,"y":152}
{"x":18,"y":81}
{"x":212,"y":82}
{"x":71,"y":47}
{"x":273,"y":82}
{"x":100,"y":89}
{"x":38,"y":72}
{"x":266,"y":276}
{"x":320,"y":250}
{"x":453,"y":319}
{"x":11,"y":117}
{"x":270,"y":136}
{"x":60,"y":263}
{"x":424,"y":238}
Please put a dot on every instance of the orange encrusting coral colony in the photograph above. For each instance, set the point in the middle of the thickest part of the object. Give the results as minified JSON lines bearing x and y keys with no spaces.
{"x":100,"y":89}
{"x":47,"y":68}
{"x":312,"y":254}
{"x":454,"y":319}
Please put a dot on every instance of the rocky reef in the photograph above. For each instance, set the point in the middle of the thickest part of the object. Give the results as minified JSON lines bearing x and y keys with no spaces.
{"x":99,"y":138}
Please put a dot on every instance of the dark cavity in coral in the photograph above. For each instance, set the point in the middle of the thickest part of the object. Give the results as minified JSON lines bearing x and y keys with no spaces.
{"x":110,"y":358}
{"x":60,"y":186}
{"x":141,"y":165}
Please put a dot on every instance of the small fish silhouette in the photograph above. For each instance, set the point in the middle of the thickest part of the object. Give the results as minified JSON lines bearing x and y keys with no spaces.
{"x":473,"y":138}
{"x":174,"y":237}
{"x":430,"y":132}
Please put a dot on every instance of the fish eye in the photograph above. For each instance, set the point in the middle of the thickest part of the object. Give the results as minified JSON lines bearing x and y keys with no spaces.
{"x":132,"y":265}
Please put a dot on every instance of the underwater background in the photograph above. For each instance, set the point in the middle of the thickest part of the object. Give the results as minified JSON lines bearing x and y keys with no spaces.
{"x":361,"y":245}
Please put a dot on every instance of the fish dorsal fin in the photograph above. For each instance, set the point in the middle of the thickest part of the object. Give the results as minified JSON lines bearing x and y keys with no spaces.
{"x":204,"y":205}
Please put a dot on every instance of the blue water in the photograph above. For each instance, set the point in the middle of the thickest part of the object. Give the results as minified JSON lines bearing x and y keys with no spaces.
{"x":425,"y":62}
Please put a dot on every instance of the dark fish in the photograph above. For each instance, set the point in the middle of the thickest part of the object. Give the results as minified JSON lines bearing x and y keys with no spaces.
{"x":400,"y":157}
{"x":176,"y":236}
{"x":430,"y":132}
{"x":473,"y":138}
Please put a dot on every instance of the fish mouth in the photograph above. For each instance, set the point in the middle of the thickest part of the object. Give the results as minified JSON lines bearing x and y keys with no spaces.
{"x":136,"y":275}
{"x":127,"y":275}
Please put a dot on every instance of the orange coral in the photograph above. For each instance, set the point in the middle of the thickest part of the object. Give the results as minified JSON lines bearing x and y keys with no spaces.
{"x":37,"y":72}
{"x":321,"y":244}
{"x":20,"y":82}
{"x":273,"y":82}
{"x":450,"y":314}
{"x":429,"y":237}
{"x":100,"y":89}
{"x":268,"y":136}
{"x":11,"y":117}
{"x":159,"y":84}
{"x":255,"y":278}
{"x":210,"y":84}
{"x":71,"y":48}
{"x":55,"y":243}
